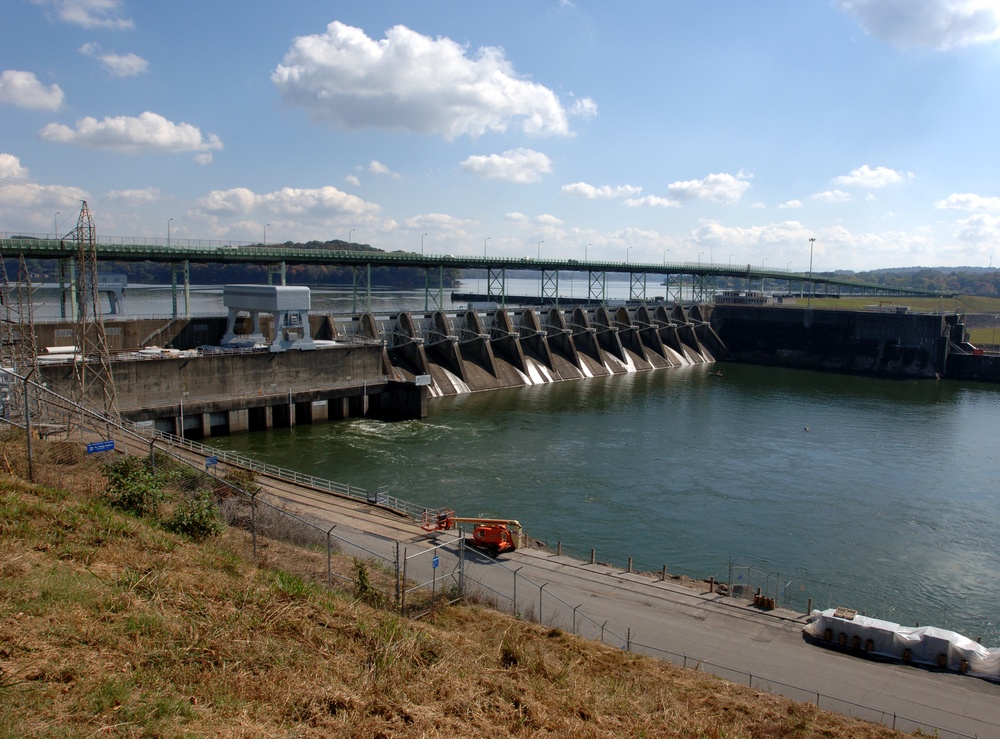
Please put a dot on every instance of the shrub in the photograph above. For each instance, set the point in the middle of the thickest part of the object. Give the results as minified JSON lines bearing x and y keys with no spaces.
{"x":196,"y":517}
{"x":133,"y":487}
{"x":237,"y":477}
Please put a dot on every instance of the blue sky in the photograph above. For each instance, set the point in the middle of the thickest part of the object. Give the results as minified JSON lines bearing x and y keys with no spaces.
{"x":730,"y":132}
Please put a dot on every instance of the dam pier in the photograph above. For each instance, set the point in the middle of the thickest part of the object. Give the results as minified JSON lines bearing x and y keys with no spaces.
{"x":367,"y":365}
{"x":211,"y":376}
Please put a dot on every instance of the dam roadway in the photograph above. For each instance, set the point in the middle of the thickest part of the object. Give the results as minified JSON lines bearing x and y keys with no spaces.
{"x":683,"y":623}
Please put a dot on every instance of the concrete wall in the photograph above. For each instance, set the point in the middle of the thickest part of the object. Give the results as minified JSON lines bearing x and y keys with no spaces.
{"x":230,"y":393}
{"x":883,"y":344}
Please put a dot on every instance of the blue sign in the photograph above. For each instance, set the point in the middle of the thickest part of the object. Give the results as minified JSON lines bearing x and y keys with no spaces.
{"x":435,"y":562}
{"x":101,"y":446}
{"x":211,"y":461}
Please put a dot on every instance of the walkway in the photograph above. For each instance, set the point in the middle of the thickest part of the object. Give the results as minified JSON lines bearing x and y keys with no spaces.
{"x":668,"y":619}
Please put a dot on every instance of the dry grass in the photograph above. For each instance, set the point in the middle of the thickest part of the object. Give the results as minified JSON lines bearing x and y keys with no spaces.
{"x":110,"y":626}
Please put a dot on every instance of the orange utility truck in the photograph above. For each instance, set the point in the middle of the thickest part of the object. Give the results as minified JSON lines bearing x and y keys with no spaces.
{"x":495,"y":535}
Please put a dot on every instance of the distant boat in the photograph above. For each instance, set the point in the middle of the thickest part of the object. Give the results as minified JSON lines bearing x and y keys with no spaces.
{"x":716,"y":373}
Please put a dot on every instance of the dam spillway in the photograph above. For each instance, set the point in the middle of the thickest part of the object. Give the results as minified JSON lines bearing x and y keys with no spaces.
{"x":369,"y":365}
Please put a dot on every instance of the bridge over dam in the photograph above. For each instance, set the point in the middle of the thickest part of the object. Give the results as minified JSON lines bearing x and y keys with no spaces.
{"x":391,"y":366}
{"x":686,"y":282}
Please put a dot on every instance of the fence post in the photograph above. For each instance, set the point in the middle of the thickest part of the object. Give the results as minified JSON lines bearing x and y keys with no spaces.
{"x":574,"y":618}
{"x":402,"y":596}
{"x":27,"y":428}
{"x":514,"y":600}
{"x":541,"y":589}
{"x":593,"y":556}
{"x":461,"y":566}
{"x":329,"y":558}
{"x":253,"y":522}
{"x":663,"y":576}
{"x":628,"y":639}
{"x":397,"y":574}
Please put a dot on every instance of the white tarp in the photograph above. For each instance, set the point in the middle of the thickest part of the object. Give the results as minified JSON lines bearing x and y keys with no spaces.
{"x":925,"y":644}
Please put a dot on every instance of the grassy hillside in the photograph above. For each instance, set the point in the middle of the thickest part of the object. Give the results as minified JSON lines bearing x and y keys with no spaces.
{"x":112,"y":626}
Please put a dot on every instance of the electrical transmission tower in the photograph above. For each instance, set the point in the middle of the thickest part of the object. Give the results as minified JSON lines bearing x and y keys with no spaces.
{"x":95,"y":381}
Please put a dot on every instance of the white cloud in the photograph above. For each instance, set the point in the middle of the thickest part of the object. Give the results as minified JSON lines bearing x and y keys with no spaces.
{"x":719,"y":188}
{"x":583,"y":108}
{"x":411,"y":82}
{"x":832,"y":196}
{"x":438,"y":223}
{"x":376,"y":167}
{"x":652,"y":201}
{"x":148,"y":132}
{"x":585,"y":190}
{"x":117,"y":65}
{"x":935,"y":24}
{"x":514,"y":165}
{"x":89,"y":13}
{"x":979,"y":228}
{"x":715,"y":234}
{"x":515,"y":217}
{"x":25,"y":91}
{"x":291,"y":202}
{"x":11,"y":169}
{"x":968,"y":201}
{"x":135,"y":197}
{"x":547,"y":219}
{"x":21,"y":198}
{"x":791,"y":204}
{"x":353,"y":180}
{"x":865,"y":176}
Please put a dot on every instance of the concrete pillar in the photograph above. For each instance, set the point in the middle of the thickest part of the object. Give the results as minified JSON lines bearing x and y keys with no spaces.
{"x":206,"y":425}
{"x":269,"y":417}
{"x":239,"y":421}
{"x":320,"y":411}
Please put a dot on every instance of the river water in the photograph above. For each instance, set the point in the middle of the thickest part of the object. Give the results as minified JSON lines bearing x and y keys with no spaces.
{"x":872,"y":494}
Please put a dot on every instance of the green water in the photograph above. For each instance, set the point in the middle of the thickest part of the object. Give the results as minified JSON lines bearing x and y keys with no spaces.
{"x":877,"y":495}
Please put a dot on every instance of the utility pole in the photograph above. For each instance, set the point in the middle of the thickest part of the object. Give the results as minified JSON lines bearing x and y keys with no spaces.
{"x":812,"y":242}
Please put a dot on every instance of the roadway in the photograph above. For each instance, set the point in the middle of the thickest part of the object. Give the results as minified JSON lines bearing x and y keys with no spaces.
{"x":680,"y":622}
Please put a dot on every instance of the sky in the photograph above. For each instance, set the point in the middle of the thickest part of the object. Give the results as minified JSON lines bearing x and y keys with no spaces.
{"x":646,"y":131}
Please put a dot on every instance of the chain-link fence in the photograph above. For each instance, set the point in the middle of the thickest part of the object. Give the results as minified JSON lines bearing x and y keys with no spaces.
{"x":47,"y":433}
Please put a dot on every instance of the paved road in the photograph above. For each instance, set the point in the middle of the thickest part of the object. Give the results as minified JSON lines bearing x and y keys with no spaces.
{"x":726,"y":636}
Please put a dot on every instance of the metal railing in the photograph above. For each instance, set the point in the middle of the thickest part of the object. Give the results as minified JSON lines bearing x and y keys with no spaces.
{"x":375,"y":497}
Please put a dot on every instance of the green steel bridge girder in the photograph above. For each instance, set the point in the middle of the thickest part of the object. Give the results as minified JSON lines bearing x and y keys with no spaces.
{"x":209,"y":252}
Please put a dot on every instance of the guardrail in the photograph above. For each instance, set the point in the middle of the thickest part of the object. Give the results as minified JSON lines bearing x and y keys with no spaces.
{"x":374,"y":497}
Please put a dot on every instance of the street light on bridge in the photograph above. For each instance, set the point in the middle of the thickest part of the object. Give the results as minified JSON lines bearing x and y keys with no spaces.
{"x":265,"y":233}
{"x":422,"y":244}
{"x":350,"y":234}
{"x":540,"y":248}
{"x":168,"y":232}
{"x":484,"y":246}
{"x":812,"y":241}
{"x":55,"y":228}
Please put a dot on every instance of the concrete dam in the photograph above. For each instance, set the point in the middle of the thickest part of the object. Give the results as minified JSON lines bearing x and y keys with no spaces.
{"x":367,"y":365}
